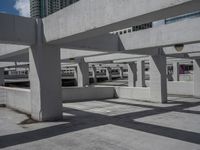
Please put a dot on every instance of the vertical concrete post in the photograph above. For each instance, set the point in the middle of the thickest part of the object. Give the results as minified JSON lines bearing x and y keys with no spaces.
{"x":83,"y":74}
{"x":140,"y":73}
{"x":109,"y":73}
{"x":45,"y":80}
{"x":175,"y":71}
{"x":121,"y":72}
{"x":2,"y":77}
{"x":75,"y":76}
{"x":132,"y":74}
{"x":196,"y":78}
{"x":158,"y":80}
{"x":94,"y":74}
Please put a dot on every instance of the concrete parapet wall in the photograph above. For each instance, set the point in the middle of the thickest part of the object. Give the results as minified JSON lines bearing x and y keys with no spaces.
{"x":16,"y":98}
{"x":186,"y":77}
{"x":87,"y":93}
{"x":180,"y":87}
{"x":137,"y":93}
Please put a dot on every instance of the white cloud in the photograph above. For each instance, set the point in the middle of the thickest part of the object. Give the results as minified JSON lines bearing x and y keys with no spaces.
{"x":23,"y":6}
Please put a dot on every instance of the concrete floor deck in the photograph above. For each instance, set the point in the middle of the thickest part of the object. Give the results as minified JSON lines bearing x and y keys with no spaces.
{"x":113,"y":124}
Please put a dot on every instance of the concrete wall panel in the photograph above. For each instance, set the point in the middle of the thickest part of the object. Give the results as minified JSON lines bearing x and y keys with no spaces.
{"x":17,"y":98}
{"x":137,"y":93}
{"x":180,"y":88}
{"x":87,"y":93}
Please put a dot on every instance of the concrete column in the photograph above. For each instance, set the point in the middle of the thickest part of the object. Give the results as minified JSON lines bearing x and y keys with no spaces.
{"x":121,"y":72}
{"x":196,"y":78}
{"x":2,"y":77}
{"x":94,"y":74}
{"x":140,"y":74}
{"x":83,"y":74}
{"x":75,"y":76}
{"x":45,"y":80}
{"x":109,"y":73}
{"x":132,"y":74}
{"x":158,"y":80}
{"x":175,"y":71}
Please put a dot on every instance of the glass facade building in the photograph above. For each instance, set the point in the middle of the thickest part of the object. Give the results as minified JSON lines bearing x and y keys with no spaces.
{"x":43,"y":8}
{"x":183,"y":17}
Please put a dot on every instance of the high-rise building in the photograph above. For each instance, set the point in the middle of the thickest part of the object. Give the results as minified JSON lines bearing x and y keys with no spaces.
{"x":43,"y":8}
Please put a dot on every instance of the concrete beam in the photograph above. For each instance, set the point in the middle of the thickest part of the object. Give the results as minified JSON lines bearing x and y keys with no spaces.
{"x":106,"y":43}
{"x":93,"y":17}
{"x":185,"y":32}
{"x":17,"y":30}
{"x":110,"y":57}
{"x":190,"y":48}
{"x":76,"y":53}
{"x":133,"y":59}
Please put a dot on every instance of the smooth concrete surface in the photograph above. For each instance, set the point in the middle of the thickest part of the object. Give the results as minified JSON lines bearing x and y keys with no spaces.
{"x":45,"y":79}
{"x":196,"y":78}
{"x":186,"y":77}
{"x":163,"y":36}
{"x":94,"y":74}
{"x":10,"y":50}
{"x":67,"y":53}
{"x":108,"y":73}
{"x":137,"y":93}
{"x":180,"y":87}
{"x":176,"y":68}
{"x":121,"y":72}
{"x":16,"y":98}
{"x":132,"y":74}
{"x":82,"y":74}
{"x":140,"y":74}
{"x":110,"y":43}
{"x":17,"y":30}
{"x":112,"y":124}
{"x":20,"y":99}
{"x":87,"y":93}
{"x":93,"y":17}
{"x":158,"y":79}
{"x":2,"y":77}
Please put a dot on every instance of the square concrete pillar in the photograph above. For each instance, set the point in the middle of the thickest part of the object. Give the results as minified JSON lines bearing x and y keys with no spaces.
{"x":109,"y":73}
{"x":94,"y":74}
{"x":45,"y":83}
{"x":132,"y":74}
{"x":196,"y":78}
{"x":140,"y":74}
{"x":121,"y":72}
{"x":175,"y":71}
{"x":82,"y":74}
{"x":158,"y":79}
{"x":45,"y":80}
{"x":2,"y":82}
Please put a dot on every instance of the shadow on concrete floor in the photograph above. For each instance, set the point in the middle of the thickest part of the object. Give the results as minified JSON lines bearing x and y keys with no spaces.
{"x":83,"y":120}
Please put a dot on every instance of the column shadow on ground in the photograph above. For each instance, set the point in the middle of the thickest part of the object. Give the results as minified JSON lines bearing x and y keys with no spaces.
{"x":84,"y":120}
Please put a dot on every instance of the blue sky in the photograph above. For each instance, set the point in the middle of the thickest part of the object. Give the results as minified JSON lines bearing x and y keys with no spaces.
{"x":7,"y":6}
{"x":15,"y":7}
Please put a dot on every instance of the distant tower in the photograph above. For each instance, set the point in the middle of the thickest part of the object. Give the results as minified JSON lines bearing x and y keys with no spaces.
{"x":43,"y":8}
